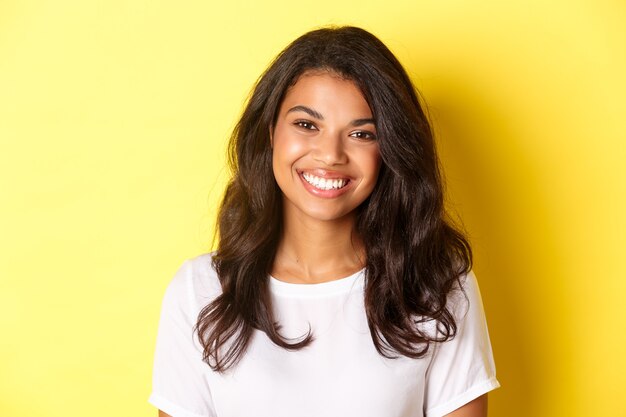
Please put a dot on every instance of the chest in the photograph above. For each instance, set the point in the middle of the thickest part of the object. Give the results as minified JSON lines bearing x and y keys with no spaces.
{"x":339,"y":374}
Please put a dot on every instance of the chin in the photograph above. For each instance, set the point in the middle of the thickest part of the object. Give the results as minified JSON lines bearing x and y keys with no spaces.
{"x":327,"y":216}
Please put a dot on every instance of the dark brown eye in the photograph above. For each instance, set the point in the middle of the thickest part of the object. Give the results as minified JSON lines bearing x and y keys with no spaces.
{"x":305,"y":124}
{"x":363,"y":135}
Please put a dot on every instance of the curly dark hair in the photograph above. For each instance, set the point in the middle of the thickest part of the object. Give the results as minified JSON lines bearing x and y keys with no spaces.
{"x":415,"y":255}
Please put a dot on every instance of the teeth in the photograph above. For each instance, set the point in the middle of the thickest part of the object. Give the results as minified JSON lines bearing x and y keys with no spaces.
{"x":323,"y":183}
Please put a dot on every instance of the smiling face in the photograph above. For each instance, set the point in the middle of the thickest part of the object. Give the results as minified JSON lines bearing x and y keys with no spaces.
{"x":325,"y":152}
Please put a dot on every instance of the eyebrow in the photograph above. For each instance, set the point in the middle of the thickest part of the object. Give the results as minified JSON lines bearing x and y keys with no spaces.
{"x":318,"y":115}
{"x":361,"y":122}
{"x":307,"y":110}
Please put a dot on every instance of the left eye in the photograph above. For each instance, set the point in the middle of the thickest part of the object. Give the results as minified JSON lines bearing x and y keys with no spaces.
{"x":363,"y":135}
{"x":305,"y":124}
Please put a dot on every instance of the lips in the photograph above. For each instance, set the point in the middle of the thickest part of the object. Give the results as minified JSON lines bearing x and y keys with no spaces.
{"x":325,"y":184}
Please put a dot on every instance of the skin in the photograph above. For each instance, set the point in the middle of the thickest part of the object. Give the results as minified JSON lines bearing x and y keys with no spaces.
{"x":325,"y":127}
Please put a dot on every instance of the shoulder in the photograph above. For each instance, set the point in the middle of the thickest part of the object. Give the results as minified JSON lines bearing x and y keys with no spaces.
{"x":462,"y":368}
{"x":469,"y":282}
{"x":194,"y":285}
{"x":462,"y":301}
{"x":466,"y":306}
{"x":464,"y":296}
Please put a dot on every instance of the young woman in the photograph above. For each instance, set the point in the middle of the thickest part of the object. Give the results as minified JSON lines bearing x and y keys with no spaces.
{"x":339,"y":286}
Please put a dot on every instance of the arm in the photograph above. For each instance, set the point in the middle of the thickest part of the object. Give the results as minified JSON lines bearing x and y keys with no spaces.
{"x":462,"y":369}
{"x":474,"y":408}
{"x":179,"y":385}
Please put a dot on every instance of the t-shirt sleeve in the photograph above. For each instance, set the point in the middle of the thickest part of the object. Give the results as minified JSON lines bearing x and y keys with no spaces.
{"x":179,"y":383}
{"x":461,"y":369}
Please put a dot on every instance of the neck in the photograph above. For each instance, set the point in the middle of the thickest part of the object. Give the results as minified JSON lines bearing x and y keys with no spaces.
{"x":313,"y":251}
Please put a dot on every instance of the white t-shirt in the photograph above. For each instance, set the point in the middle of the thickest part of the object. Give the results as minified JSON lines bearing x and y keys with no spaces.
{"x":339,"y":375}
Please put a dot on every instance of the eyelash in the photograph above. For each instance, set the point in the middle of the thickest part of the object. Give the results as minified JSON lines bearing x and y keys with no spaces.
{"x":368,"y":135}
{"x":307,"y":125}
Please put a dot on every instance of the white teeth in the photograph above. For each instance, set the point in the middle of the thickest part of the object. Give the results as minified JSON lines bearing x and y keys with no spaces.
{"x":323,"y":183}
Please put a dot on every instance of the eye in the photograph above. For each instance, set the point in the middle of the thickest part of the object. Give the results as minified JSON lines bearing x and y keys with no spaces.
{"x":305,"y":124}
{"x":363,"y":135}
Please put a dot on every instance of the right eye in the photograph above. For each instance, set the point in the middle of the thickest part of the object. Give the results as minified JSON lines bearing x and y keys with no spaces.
{"x":305,"y":124}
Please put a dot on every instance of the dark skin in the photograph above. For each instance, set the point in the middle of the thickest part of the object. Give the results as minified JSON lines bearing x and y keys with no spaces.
{"x":325,"y":125}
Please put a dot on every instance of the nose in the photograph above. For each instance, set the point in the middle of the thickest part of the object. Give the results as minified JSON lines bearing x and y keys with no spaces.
{"x":329,"y":149}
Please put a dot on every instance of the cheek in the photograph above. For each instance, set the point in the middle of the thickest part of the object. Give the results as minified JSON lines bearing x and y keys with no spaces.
{"x":371,"y":162}
{"x":286,"y":150}
{"x":378,"y":160}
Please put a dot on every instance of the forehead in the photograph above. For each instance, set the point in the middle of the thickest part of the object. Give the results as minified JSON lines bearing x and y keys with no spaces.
{"x":327,"y":90}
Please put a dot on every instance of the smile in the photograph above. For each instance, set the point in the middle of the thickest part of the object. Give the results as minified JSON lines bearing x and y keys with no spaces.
{"x":325,"y":183}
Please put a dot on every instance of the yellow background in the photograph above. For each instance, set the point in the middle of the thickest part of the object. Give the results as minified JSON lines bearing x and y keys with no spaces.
{"x":113,"y":120}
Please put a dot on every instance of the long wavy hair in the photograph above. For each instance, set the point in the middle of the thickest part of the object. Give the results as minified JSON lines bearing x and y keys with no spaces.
{"x":415,"y":255}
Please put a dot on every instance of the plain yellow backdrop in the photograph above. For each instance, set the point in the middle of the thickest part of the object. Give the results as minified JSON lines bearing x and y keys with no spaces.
{"x":113,"y":121}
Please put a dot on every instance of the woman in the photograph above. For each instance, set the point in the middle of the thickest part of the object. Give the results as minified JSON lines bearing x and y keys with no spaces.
{"x":338,"y":287}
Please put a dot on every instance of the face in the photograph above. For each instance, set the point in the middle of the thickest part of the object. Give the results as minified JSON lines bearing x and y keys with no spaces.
{"x":325,"y":151}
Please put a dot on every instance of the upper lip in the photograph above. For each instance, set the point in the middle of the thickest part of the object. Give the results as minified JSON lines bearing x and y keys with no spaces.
{"x":324,"y":173}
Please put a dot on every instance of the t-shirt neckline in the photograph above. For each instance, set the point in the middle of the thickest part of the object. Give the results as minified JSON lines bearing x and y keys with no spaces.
{"x":337,"y":286}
